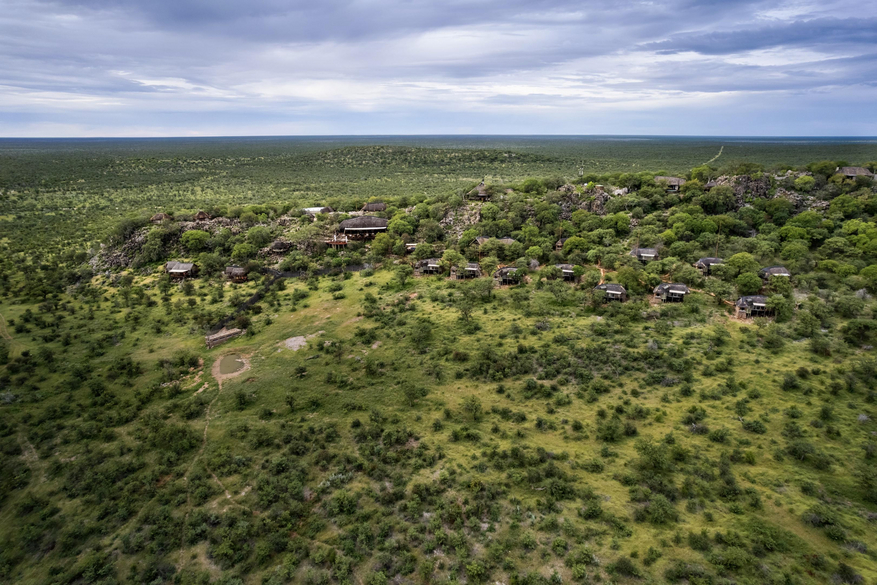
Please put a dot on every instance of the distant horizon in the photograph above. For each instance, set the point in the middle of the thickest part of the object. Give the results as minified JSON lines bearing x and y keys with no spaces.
{"x":470,"y":135}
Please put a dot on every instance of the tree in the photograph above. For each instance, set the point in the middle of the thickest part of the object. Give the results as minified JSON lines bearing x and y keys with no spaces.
{"x":452,"y":258}
{"x":748,"y":283}
{"x":483,"y":287}
{"x":195,"y":240}
{"x":781,"y":307}
{"x":805,"y":183}
{"x":243,"y":251}
{"x":382,"y":244}
{"x":258,"y":236}
{"x":488,"y":265}
{"x":742,"y":262}
{"x":403,"y":273}
{"x":472,"y":406}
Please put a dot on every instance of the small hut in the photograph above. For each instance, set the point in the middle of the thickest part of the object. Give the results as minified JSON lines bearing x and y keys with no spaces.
{"x":705,"y":264}
{"x":853,"y":172}
{"x":428,"y":266}
{"x":410,"y":247}
{"x":558,"y":245}
{"x":375,"y":207}
{"x":614,"y":292}
{"x":236,"y":273}
{"x":507,"y":275}
{"x":312,"y":212}
{"x":673,"y":183}
{"x":767,"y":272}
{"x":363,"y":227}
{"x":480,"y":193}
{"x":202,"y":216}
{"x":470,"y":270}
{"x":279,"y":247}
{"x":180,"y":270}
{"x":567,"y":271}
{"x":671,"y":292}
{"x":709,"y":185}
{"x":752,"y":306}
{"x":645,"y":254}
{"x":160,"y":217}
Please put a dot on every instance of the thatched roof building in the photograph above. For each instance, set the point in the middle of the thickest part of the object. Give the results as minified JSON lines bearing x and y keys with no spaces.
{"x":507,"y":275}
{"x":481,"y":240}
{"x":673,"y":183}
{"x":752,"y":306}
{"x":470,"y":270}
{"x":645,"y":254}
{"x":766,"y":273}
{"x":428,"y":266}
{"x":364,"y":226}
{"x":181,"y":269}
{"x":202,"y":216}
{"x":567,"y":271}
{"x":706,"y":264}
{"x":480,"y":192}
{"x":374,"y":207}
{"x":236,"y":273}
{"x":279,"y":246}
{"x":614,"y":292}
{"x":671,"y":292}
{"x":312,"y":211}
{"x":853,"y":172}
{"x":160,"y":217}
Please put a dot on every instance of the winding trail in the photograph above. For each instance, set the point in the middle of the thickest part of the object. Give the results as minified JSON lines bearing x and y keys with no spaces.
{"x":717,"y":156}
{"x":217,"y":374}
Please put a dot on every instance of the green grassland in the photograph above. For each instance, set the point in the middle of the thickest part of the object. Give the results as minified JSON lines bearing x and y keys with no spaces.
{"x":429,"y":430}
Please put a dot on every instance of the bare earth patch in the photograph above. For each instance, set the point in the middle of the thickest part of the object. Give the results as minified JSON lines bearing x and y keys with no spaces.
{"x":296,"y":343}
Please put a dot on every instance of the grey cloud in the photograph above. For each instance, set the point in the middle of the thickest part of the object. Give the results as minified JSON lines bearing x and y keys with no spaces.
{"x":810,"y":33}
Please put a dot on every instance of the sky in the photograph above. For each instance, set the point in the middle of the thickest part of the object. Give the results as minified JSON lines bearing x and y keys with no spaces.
{"x":71,"y":68}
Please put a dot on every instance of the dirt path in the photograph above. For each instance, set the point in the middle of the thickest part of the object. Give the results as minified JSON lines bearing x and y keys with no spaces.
{"x":217,"y":374}
{"x":30,"y":456}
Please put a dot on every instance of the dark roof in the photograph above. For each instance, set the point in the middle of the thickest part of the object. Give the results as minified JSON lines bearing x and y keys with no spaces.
{"x":472,"y":266}
{"x":375,"y":206}
{"x":855,"y":171}
{"x":280,"y":245}
{"x":611,"y":287}
{"x":235,"y":271}
{"x":751,"y":301}
{"x":364,"y":222}
{"x":561,"y":241}
{"x":676,"y":287}
{"x":774,"y":271}
{"x":505,"y":271}
{"x":429,"y":262}
{"x":565,"y":267}
{"x":709,"y":261}
{"x":710,"y":184}
{"x":644,"y":252}
{"x":670,"y":180}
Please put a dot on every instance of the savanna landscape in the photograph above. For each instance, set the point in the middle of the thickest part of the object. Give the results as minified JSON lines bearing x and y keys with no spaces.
{"x":458,"y":397}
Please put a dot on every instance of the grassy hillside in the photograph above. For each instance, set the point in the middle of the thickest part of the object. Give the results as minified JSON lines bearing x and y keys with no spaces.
{"x":391,"y":428}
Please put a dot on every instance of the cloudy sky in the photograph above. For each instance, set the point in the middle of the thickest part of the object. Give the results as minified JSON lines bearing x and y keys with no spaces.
{"x":288,"y":67}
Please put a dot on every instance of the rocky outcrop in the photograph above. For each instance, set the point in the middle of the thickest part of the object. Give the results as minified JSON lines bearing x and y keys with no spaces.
{"x":459,"y":219}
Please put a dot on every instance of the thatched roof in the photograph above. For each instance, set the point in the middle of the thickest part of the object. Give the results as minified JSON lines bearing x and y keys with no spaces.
{"x":375,"y":206}
{"x":178,"y":267}
{"x":611,"y":288}
{"x":160,"y":217}
{"x":202,"y":215}
{"x":364,"y":222}
{"x":637,"y":252}
{"x":565,"y":267}
{"x":505,"y":272}
{"x":482,"y":239}
{"x":472,"y":267}
{"x":707,"y":262}
{"x":675,"y":288}
{"x":316,"y":210}
{"x":672,"y":181}
{"x":235,"y":271}
{"x":855,"y":172}
{"x":750,"y":302}
{"x":774,"y":271}
{"x":279,"y":246}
